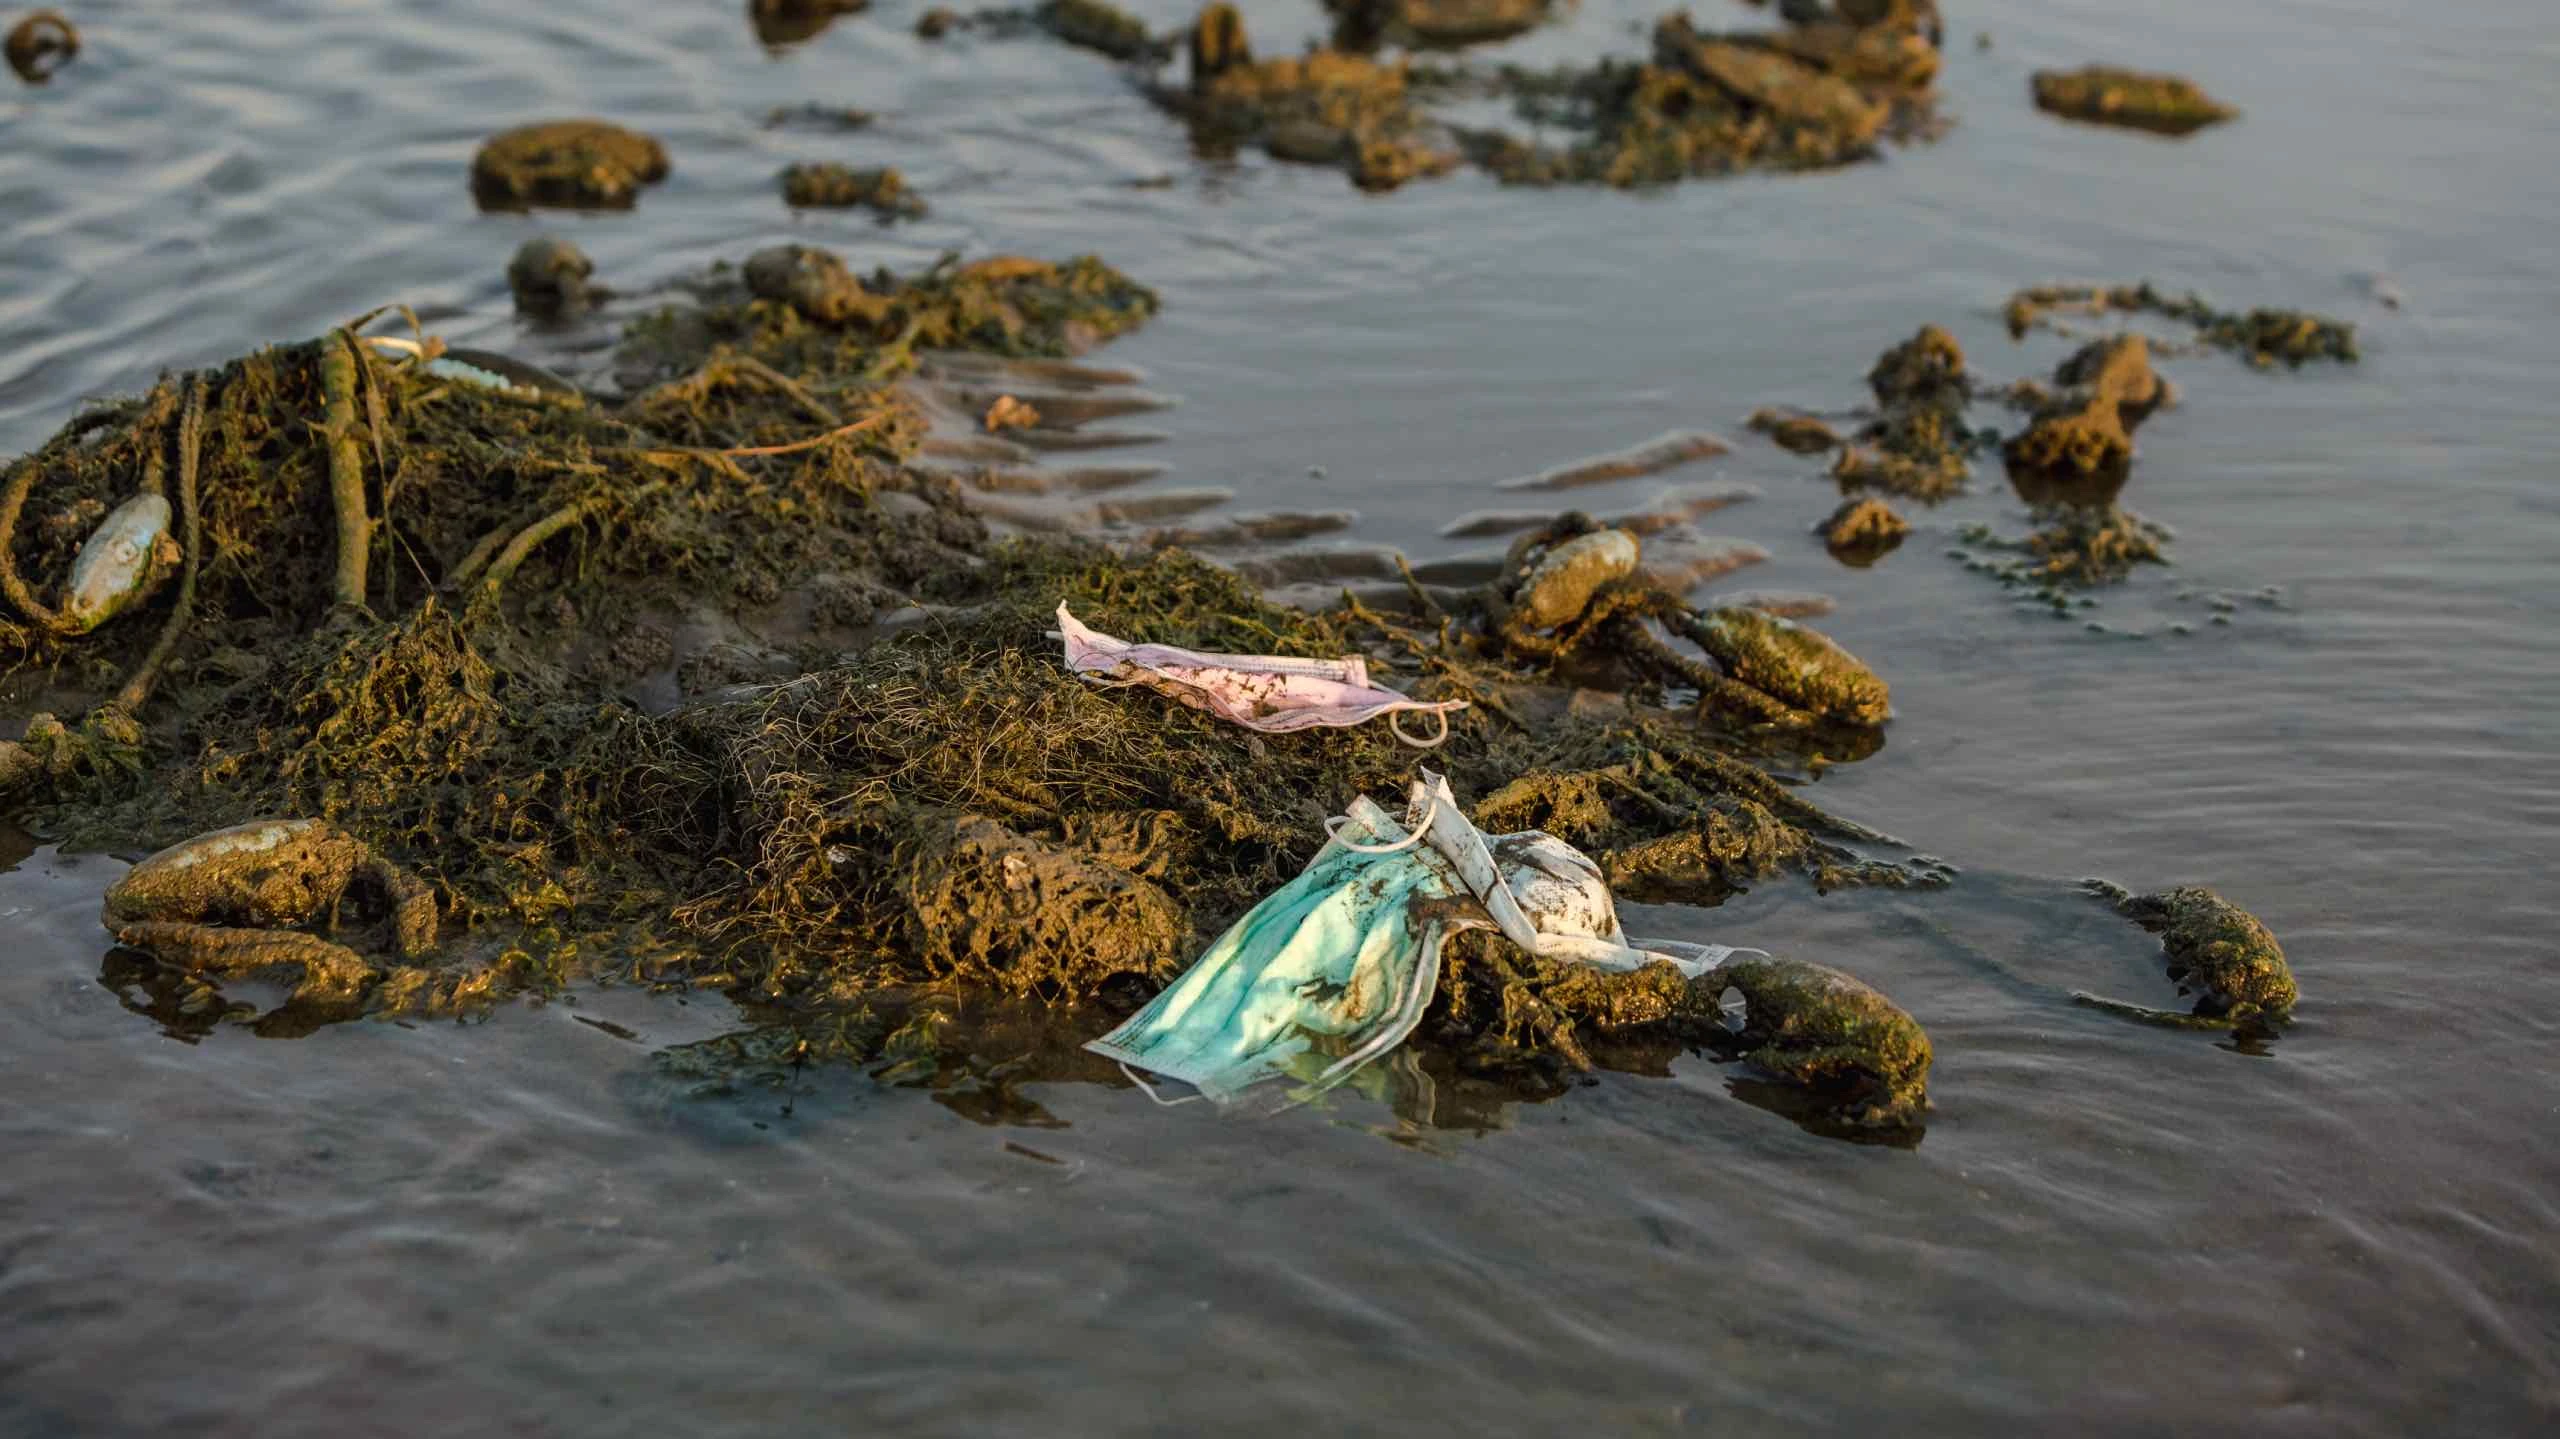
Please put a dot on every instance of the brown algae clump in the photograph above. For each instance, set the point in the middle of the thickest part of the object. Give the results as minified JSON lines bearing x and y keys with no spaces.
{"x":831,"y":186}
{"x":1321,"y":108}
{"x":2105,"y":95}
{"x":1431,"y":24}
{"x":1094,"y":25}
{"x":1813,"y":96}
{"x":40,"y":44}
{"x":2263,"y":337}
{"x":2217,"y":951}
{"x":781,"y":23}
{"x":551,"y":279}
{"x":1861,"y":532}
{"x":1918,"y":444}
{"x":1817,"y":1026}
{"x":566,"y":164}
{"x":1796,"y":434}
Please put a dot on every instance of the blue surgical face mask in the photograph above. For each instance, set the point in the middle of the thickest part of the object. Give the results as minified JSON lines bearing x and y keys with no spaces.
{"x":1336,"y":967}
{"x":1342,"y":959}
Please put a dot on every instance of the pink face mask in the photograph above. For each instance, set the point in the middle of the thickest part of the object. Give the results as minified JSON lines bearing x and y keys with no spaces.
{"x":1271,"y":693}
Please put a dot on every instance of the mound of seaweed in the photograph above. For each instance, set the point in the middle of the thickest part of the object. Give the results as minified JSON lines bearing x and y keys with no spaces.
{"x":430,"y":608}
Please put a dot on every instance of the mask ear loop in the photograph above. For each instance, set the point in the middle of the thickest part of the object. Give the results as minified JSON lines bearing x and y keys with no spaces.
{"x":1334,"y":824}
{"x":1395,"y":722}
{"x":1150,"y":1090}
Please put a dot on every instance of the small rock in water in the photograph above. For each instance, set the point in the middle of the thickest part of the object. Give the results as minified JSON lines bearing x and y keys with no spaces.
{"x":1008,"y":413}
{"x":41,"y":44}
{"x":549,"y":277}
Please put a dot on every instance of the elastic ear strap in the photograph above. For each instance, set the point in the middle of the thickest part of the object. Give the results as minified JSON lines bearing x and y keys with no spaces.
{"x":1395,"y":722}
{"x":1334,"y":825}
{"x":1151,"y":1089}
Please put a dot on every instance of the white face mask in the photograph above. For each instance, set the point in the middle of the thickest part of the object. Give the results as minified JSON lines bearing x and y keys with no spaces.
{"x":1271,"y":693}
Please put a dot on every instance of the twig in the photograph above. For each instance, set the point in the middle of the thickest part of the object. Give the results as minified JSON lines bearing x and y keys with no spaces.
{"x":346,"y":469}
{"x":529,"y":539}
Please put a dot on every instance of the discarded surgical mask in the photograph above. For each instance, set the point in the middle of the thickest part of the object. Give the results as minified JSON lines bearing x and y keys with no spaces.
{"x":1275,"y":694}
{"x":1336,"y":967}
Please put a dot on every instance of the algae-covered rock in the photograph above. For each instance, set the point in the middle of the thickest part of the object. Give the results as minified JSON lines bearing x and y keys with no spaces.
{"x":1796,"y":434}
{"x":1801,"y":667}
{"x":2263,"y":337}
{"x":1862,"y":532}
{"x":810,"y":280}
{"x":1564,"y":580}
{"x":2106,"y":95}
{"x":2217,"y":951}
{"x":1918,"y":443}
{"x":1095,"y":25}
{"x":780,"y":23}
{"x":1324,"y":107}
{"x":1817,"y":1026}
{"x":567,"y":164}
{"x":549,"y":277}
{"x":826,"y":185}
{"x":1814,"y":96}
{"x":40,"y":44}
{"x":1429,"y":24}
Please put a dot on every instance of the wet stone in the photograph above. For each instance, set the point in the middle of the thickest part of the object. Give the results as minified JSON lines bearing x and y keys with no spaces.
{"x":549,"y":277}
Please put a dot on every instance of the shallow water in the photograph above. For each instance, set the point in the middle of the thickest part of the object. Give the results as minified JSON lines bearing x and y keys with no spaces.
{"x":514,"y":1227}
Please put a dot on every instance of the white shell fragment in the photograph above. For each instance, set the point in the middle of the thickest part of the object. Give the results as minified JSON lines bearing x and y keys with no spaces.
{"x":130,"y":553}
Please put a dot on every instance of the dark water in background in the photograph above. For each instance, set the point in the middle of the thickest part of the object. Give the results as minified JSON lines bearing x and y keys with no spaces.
{"x":510,"y":1228}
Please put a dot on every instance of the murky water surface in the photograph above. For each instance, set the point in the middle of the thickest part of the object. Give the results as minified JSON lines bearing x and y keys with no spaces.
{"x":514,"y":1227}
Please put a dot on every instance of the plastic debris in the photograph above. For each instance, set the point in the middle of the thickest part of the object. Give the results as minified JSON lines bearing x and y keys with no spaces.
{"x":1276,"y":694}
{"x":1336,"y":967}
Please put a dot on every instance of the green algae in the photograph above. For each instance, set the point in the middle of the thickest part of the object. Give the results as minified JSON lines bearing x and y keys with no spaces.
{"x":2107,"y":95}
